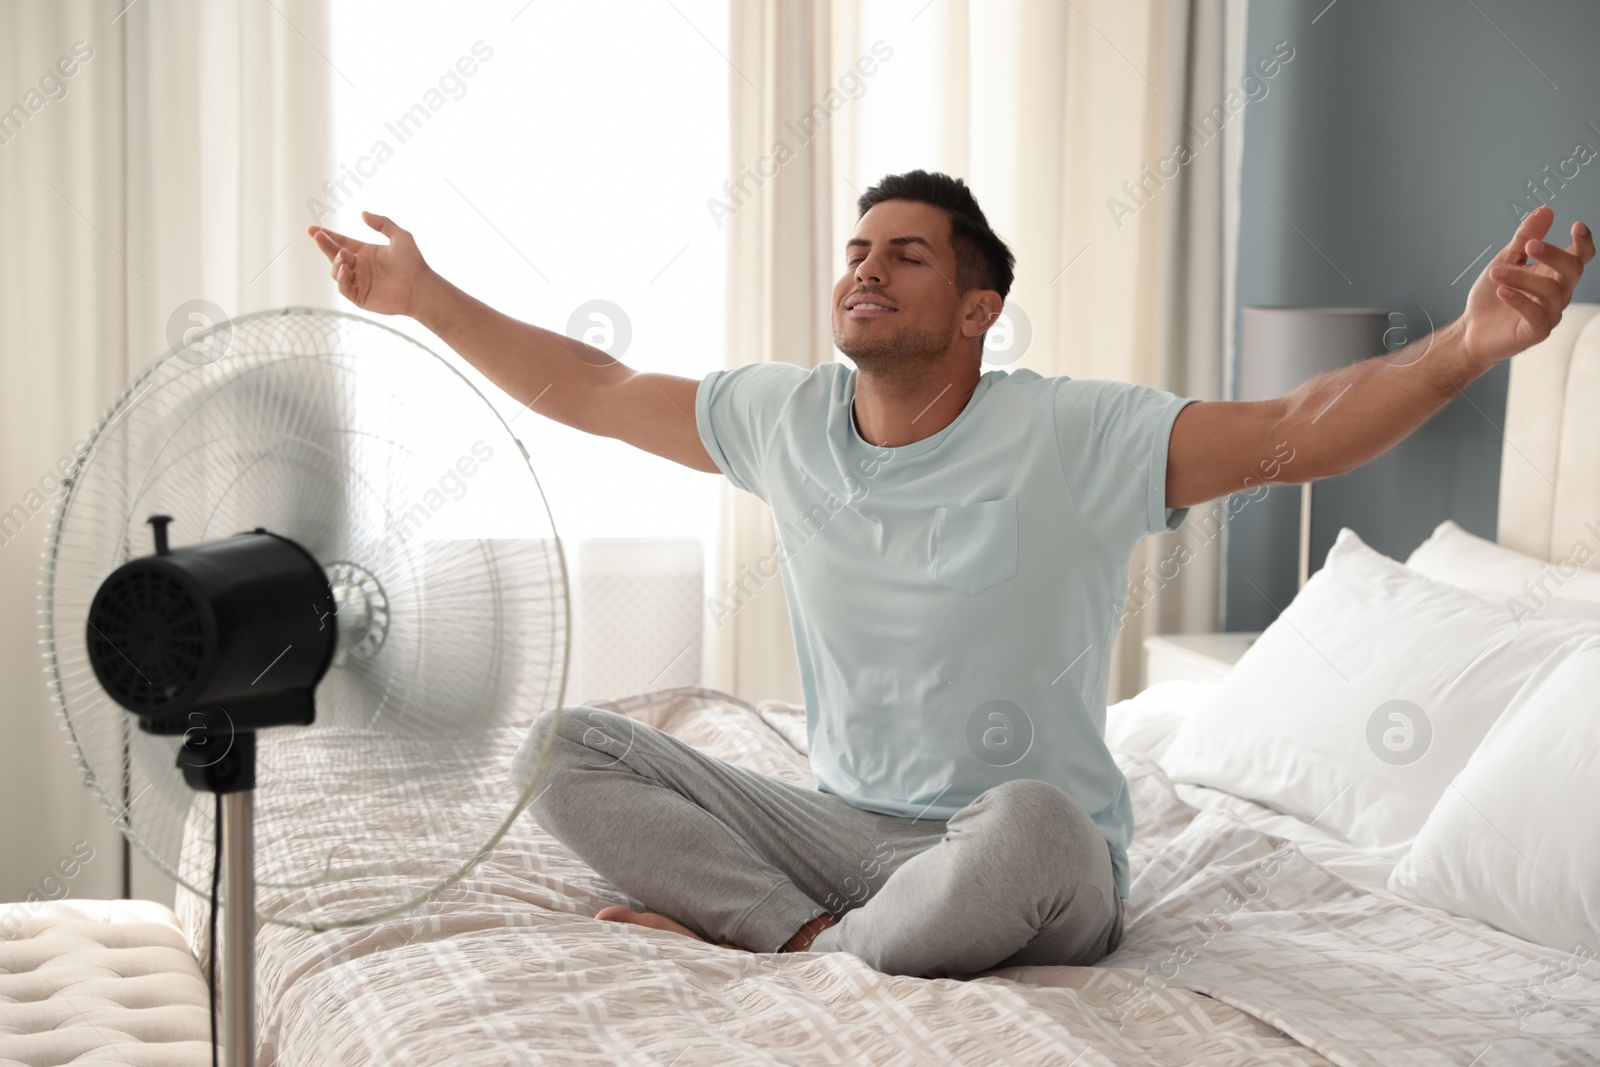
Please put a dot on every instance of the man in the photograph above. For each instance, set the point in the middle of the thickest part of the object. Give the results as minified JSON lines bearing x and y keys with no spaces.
{"x":955,"y":550}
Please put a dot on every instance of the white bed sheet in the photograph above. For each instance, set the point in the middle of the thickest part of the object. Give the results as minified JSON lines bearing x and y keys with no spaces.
{"x":1239,"y":949}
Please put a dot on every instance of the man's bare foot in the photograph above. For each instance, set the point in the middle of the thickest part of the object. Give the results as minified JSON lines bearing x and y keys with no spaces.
{"x":801,"y":941}
{"x":617,"y":913}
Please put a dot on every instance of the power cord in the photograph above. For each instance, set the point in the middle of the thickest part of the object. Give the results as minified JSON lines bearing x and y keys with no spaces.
{"x":211,"y":952}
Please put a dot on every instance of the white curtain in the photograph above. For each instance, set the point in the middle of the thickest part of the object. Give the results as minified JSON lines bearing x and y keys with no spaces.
{"x":780,"y":279}
{"x":172,"y":165}
{"x":1045,"y":110}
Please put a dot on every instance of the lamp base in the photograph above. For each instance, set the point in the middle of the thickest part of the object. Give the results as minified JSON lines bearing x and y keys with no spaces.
{"x":1305,"y":534}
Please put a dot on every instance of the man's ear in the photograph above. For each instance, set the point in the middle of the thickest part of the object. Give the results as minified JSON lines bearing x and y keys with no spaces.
{"x":984,"y":312}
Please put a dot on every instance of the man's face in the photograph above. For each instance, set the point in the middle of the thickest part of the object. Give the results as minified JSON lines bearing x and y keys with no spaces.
{"x":900,"y":259}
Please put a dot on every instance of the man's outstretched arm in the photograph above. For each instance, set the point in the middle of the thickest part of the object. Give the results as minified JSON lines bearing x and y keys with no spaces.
{"x":555,"y":376}
{"x":1340,"y":420}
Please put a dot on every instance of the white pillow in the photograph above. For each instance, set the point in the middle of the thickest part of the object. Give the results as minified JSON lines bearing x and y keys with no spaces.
{"x":1359,"y":704}
{"x":1512,"y":841}
{"x":1146,"y":722}
{"x":1512,"y":578}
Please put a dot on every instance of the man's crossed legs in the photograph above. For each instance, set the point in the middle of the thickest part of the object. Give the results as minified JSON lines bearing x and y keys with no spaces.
{"x":1018,"y":877}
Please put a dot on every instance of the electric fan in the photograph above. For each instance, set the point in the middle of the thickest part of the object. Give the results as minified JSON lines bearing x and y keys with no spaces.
{"x":303,"y":554}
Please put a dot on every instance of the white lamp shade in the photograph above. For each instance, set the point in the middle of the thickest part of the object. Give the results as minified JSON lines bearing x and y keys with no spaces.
{"x":1281,"y":348}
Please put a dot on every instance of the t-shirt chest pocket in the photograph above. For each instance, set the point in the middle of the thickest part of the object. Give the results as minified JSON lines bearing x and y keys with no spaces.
{"x":974,"y":545}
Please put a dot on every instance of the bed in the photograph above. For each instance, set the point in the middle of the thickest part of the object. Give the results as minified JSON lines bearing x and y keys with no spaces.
{"x":1253,"y":935}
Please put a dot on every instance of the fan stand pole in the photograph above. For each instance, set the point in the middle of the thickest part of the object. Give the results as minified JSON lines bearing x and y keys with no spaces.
{"x":231,"y":775}
{"x":239,"y":915}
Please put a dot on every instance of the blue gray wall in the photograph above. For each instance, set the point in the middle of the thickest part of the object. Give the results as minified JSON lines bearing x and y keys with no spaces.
{"x":1383,"y":161}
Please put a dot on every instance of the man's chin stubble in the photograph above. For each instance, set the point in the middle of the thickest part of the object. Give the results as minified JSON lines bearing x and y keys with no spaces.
{"x":903,"y":357}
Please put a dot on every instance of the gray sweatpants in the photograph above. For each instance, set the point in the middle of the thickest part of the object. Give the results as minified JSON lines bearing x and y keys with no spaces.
{"x":1020,"y":876}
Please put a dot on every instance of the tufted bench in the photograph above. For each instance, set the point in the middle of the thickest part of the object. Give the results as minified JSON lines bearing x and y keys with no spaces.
{"x":99,"y":982}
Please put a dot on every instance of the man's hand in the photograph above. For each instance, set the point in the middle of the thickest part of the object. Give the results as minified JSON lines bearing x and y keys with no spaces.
{"x":1512,"y":306}
{"x":380,"y":278}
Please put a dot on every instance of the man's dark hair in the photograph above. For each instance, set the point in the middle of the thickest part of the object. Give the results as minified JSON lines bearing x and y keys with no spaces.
{"x":982,"y":260}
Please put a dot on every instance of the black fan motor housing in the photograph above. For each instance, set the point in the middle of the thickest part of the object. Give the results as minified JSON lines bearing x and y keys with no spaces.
{"x":234,"y":634}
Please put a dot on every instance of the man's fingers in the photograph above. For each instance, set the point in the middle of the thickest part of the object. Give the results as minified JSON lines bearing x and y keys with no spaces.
{"x":1582,"y":245}
{"x":1564,"y":262}
{"x":1532,"y":228}
{"x":328,"y":245}
{"x":345,"y":275}
{"x":1540,"y":287}
{"x":1533,"y":313}
{"x":348,"y":243}
{"x":332,"y":243}
{"x":380,"y":223}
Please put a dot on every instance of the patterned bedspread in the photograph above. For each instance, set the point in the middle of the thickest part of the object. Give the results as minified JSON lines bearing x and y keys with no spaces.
{"x":1238,"y":950}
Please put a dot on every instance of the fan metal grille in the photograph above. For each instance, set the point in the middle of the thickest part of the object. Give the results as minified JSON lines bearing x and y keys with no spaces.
{"x":365,"y":448}
{"x":146,"y":639}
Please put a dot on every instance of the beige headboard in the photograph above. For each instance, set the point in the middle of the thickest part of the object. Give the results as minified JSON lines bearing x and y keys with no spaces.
{"x":1550,"y":464}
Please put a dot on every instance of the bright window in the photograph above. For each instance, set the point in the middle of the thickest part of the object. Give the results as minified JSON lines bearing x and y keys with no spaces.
{"x":572,"y":164}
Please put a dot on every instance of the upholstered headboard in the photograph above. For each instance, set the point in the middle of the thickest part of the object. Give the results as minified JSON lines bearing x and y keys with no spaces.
{"x":1550,"y":464}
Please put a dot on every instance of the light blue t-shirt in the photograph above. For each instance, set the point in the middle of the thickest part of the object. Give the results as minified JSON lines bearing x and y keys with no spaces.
{"x":954,"y":601}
